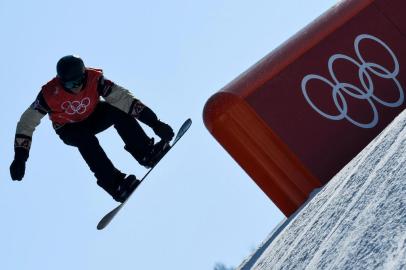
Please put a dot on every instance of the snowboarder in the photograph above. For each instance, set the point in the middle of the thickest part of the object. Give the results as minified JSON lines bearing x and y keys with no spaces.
{"x":72,"y":101}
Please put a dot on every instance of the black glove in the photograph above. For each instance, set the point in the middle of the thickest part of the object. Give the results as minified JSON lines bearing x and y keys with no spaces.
{"x":17,"y":169}
{"x":164,"y":131}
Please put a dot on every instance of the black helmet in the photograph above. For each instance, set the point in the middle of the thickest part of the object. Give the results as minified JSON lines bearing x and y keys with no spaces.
{"x":71,"y":68}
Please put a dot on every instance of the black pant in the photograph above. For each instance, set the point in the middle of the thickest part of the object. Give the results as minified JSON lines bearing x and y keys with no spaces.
{"x":83,"y":136}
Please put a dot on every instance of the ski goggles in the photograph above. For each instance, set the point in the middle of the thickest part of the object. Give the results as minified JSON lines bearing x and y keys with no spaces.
{"x":71,"y":84}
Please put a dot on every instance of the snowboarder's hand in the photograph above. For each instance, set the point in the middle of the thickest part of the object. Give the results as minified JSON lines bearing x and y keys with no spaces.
{"x":164,"y":131}
{"x":17,"y":169}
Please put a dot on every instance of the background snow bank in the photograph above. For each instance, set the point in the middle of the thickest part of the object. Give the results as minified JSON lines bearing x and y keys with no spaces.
{"x":357,"y":221}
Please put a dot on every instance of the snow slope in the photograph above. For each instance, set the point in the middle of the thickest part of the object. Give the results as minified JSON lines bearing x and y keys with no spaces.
{"x":357,"y":221}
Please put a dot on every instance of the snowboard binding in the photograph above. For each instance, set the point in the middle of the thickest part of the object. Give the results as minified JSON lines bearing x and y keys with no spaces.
{"x":125,"y":188}
{"x":150,"y":157}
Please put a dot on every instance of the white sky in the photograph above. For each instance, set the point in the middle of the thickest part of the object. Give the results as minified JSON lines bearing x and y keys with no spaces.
{"x":198,"y":207}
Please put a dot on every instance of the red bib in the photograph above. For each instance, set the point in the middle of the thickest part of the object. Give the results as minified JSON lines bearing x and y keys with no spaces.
{"x":69,"y":107}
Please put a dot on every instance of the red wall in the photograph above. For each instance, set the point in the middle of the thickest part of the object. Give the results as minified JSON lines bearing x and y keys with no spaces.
{"x":294,"y":119}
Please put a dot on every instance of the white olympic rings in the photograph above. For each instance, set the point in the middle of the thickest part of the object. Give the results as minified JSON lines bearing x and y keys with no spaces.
{"x":76,"y":107}
{"x":367,"y":93}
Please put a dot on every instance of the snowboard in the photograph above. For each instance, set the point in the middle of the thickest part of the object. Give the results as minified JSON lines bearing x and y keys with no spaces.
{"x":109,"y":216}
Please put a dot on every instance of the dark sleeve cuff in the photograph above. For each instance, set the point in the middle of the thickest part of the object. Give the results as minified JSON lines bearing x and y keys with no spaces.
{"x":22,"y":145}
{"x":144,"y":114}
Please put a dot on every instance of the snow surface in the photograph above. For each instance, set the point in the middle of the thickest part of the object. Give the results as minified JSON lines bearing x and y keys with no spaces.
{"x":357,"y":221}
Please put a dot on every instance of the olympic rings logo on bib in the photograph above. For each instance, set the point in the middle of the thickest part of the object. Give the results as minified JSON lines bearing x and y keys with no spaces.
{"x":365,"y":93}
{"x":76,"y":107}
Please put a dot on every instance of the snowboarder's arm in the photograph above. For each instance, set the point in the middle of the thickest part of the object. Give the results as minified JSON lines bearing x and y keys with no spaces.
{"x":116,"y":95}
{"x":29,"y":120}
{"x":125,"y":101}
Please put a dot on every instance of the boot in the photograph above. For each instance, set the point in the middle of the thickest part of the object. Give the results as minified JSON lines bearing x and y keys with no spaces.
{"x":125,"y":188}
{"x":151,"y":154}
{"x":110,"y":182}
{"x":140,"y":153}
{"x":157,"y":152}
